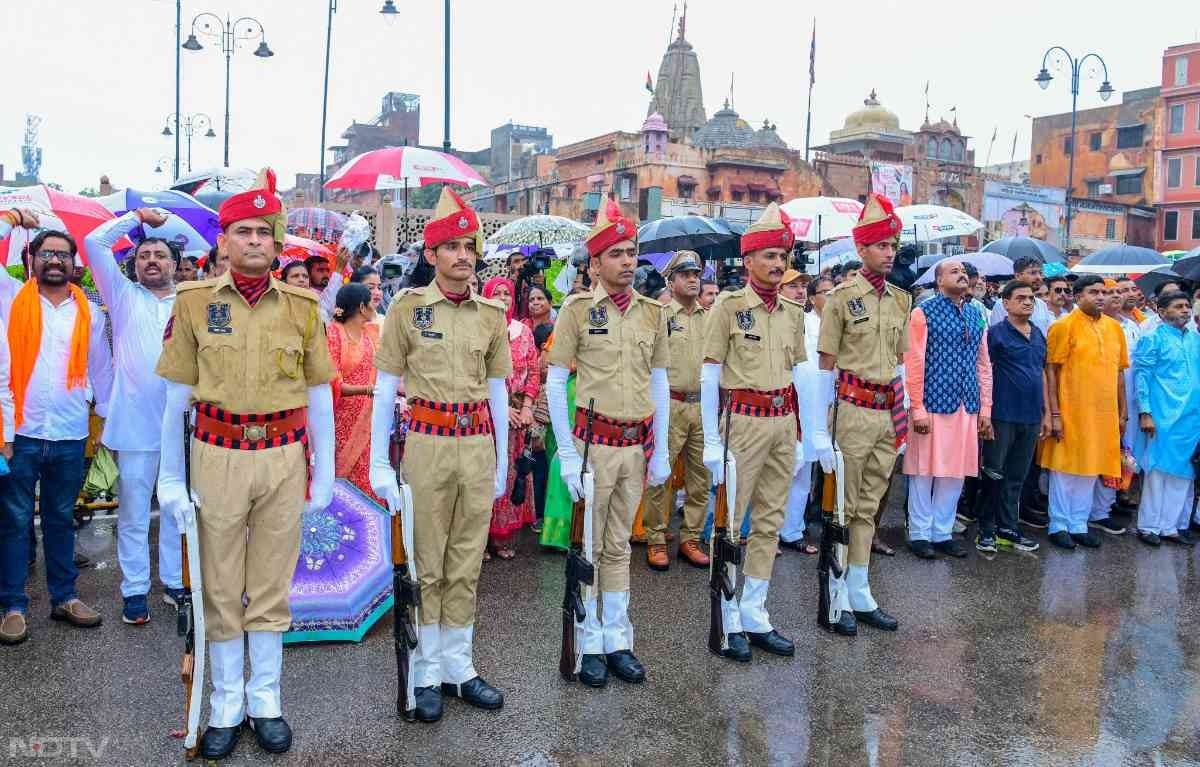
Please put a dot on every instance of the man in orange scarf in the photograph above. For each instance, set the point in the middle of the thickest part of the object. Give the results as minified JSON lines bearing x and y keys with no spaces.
{"x":60,"y":360}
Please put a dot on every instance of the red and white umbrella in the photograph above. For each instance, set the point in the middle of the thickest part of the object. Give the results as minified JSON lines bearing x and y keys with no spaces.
{"x":816,"y":219}
{"x":297,"y":248}
{"x":75,"y":215}
{"x":397,"y":167}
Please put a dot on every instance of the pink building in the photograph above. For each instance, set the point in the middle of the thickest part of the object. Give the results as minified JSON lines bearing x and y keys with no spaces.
{"x":1177,"y":145}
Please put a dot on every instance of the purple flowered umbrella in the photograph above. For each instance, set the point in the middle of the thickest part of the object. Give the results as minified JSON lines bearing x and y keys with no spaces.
{"x":343,"y":578}
{"x":192,"y":226}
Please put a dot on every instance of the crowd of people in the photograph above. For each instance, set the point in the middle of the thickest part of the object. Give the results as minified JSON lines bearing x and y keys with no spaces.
{"x":1047,"y":401}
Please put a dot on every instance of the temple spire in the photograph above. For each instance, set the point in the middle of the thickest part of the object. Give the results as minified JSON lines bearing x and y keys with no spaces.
{"x":683,"y":21}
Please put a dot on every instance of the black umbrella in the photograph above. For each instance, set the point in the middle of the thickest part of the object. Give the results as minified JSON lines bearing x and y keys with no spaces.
{"x":1026,"y":247}
{"x":1121,"y":259}
{"x":1188,"y":267}
{"x":683,"y":233}
{"x":1150,"y":282}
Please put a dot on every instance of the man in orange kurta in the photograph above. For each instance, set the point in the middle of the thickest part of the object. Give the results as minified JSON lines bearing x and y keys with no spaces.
{"x":1085,"y":356}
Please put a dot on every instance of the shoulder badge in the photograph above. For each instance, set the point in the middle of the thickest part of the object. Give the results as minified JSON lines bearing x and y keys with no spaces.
{"x":422,"y":317}
{"x":219,"y":319}
{"x":745,"y":319}
{"x":598,"y":316}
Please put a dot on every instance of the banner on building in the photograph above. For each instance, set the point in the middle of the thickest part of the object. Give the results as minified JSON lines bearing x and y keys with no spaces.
{"x":1022,"y":210}
{"x":893,"y":181}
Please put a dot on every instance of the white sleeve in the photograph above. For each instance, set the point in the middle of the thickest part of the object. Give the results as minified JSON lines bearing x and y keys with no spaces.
{"x":383,"y":416}
{"x":105,"y":271}
{"x":660,"y":394}
{"x":320,"y":432}
{"x":328,"y":299}
{"x":179,"y":399}
{"x":100,"y":364}
{"x":560,"y":419}
{"x":710,"y":395}
{"x":498,"y":402}
{"x":7,"y":412}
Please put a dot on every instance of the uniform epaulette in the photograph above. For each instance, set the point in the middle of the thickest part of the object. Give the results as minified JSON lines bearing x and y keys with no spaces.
{"x":490,"y":302}
{"x":575,"y":297}
{"x":791,"y":301}
{"x":194,"y":285}
{"x":900,"y":294}
{"x":842,"y":286}
{"x":295,"y":291}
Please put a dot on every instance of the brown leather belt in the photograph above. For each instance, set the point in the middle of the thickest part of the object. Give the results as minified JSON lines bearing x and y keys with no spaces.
{"x":605,"y":428}
{"x":759,"y":400}
{"x":878,"y":399}
{"x":449,"y":420}
{"x":256,"y":431}
{"x":690,"y":396}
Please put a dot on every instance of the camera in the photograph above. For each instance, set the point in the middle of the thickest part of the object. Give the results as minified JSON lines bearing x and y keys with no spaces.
{"x":800,"y":258}
{"x":730,"y":276}
{"x":538,"y":260}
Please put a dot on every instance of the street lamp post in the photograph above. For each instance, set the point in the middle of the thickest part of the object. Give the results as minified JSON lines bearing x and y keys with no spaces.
{"x":190,"y":125}
{"x":230,"y":33}
{"x":178,"y":34}
{"x":1106,"y":90}
{"x":446,"y":131}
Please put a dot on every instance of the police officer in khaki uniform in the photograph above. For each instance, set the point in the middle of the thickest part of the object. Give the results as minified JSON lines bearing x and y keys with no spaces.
{"x":249,"y":354}
{"x":451,"y":346}
{"x":617,"y":341}
{"x":754,"y":349}
{"x":686,"y":325}
{"x":864,"y":333}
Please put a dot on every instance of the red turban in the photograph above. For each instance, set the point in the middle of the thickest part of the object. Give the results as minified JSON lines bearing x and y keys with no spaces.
{"x":877,"y":222}
{"x":259,"y":202}
{"x":611,"y":227}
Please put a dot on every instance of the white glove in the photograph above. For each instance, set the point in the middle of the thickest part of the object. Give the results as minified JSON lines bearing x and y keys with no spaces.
{"x":173,"y":500}
{"x":659,"y":471}
{"x":824,"y":447}
{"x":714,"y":461}
{"x":814,"y":411}
{"x":714,"y":447}
{"x":799,"y":458}
{"x":384,"y":479}
{"x":498,"y":403}
{"x":321,"y":439}
{"x":570,"y":466}
{"x":173,"y":497}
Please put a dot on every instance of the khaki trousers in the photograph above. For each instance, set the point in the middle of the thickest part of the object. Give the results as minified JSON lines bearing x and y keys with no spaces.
{"x":452,"y":480}
{"x":867,"y":439}
{"x":249,"y":526}
{"x":764,"y":448}
{"x":620,"y":475}
{"x":686,"y":437}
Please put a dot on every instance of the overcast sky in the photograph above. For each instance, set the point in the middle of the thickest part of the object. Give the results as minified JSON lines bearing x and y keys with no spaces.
{"x":101,"y":72}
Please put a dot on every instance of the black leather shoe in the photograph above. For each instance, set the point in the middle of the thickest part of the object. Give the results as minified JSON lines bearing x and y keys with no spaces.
{"x":1087,"y":540}
{"x":429,"y":704}
{"x":593,"y":671}
{"x":738,"y":649}
{"x":626,"y":667}
{"x":1062,"y":539}
{"x":951,"y":548}
{"x":773,"y":642}
{"x":878,"y":619}
{"x":477,"y":692}
{"x":273,"y":735}
{"x":846,"y":626}
{"x":219,"y":742}
{"x":922,"y":549}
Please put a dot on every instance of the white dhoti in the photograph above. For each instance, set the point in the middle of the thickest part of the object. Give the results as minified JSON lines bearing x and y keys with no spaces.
{"x":1166,"y":503}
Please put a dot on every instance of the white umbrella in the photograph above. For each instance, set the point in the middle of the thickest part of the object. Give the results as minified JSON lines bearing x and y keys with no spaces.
{"x":922,"y":223}
{"x":816,"y":219}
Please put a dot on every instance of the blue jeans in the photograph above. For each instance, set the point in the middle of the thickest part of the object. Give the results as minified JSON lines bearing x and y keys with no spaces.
{"x":708,"y":518}
{"x":59,"y":466}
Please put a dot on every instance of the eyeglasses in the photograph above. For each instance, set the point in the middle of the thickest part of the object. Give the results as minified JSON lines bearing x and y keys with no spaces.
{"x":1062,"y":291}
{"x":55,"y":255}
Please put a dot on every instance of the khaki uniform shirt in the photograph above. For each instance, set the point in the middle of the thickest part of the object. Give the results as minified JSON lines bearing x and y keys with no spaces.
{"x":612,"y":352}
{"x":445,"y":352}
{"x":756,"y":349}
{"x":685,"y":339}
{"x":866,"y":332}
{"x":246,"y":359}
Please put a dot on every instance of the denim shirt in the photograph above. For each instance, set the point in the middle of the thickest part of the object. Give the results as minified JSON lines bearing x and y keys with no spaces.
{"x":1017,"y":365}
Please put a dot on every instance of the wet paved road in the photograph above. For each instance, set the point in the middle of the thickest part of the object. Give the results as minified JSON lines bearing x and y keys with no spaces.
{"x":1064,"y":658}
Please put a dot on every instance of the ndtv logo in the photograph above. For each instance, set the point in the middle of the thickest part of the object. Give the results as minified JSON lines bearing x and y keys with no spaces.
{"x":57,"y":748}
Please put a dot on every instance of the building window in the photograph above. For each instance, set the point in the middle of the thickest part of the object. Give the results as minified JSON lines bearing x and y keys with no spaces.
{"x":737,"y":196}
{"x":1129,"y":184}
{"x":1175,"y":125}
{"x":1110,"y":229}
{"x":1198,"y":170}
{"x":1094,"y":141}
{"x":1093,"y":189}
{"x":1067,"y":146}
{"x":1171,"y":225}
{"x":1174,"y":172}
{"x":1131,"y":137}
{"x":931,"y":148}
{"x":687,"y":191}
{"x":626,"y":188}
{"x":958,"y":151}
{"x":569,"y":192}
{"x":1196,"y":223}
{"x":944,"y":150}
{"x":1039,"y":160}
{"x":1181,"y":70}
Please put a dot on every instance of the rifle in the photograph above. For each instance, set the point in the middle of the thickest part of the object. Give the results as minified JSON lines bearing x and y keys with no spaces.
{"x":726,"y":554}
{"x":406,"y":604}
{"x":190,"y":619}
{"x":579,"y":569}
{"x":832,"y":597}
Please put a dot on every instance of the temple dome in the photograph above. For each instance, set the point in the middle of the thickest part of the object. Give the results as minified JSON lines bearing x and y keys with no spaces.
{"x":766,"y":137}
{"x":724,"y":129}
{"x":655,"y":124}
{"x":872,"y":116}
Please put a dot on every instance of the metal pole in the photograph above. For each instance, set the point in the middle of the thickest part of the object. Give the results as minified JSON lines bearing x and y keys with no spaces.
{"x":325,"y":101}
{"x":189,"y":143}
{"x":1071,"y":159}
{"x":446,"y":132}
{"x":178,"y":47}
{"x":227,"y":43}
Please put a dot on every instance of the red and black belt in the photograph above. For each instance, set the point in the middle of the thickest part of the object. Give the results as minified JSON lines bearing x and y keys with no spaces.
{"x":685,"y":396}
{"x":614,"y":432}
{"x":450,"y":419}
{"x":254,"y":431}
{"x":864,"y":393}
{"x":766,"y":404}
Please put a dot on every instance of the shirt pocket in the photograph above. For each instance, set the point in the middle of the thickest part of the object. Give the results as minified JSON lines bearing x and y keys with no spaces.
{"x":645,"y":344}
{"x":751,"y":354}
{"x":477,"y":360}
{"x":600,"y":353}
{"x":219,"y":361}
{"x":284,"y":359}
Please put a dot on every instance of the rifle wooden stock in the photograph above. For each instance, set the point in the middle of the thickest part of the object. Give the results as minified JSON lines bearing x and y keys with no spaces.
{"x":186,"y":628}
{"x":406,"y":594}
{"x":578,"y":571}
{"x":724,"y":553}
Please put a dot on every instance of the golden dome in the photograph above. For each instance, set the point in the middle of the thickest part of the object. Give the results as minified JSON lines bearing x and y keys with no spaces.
{"x":872,"y":117}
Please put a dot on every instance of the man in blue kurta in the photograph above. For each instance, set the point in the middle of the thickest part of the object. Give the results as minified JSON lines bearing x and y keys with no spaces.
{"x":1166,"y":365}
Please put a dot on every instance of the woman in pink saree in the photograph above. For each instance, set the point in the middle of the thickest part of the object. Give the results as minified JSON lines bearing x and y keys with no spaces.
{"x":353,"y":338}
{"x":523,"y":385}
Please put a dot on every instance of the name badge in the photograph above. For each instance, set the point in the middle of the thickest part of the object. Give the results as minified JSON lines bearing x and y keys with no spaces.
{"x":752,"y":337}
{"x":861,"y":320}
{"x":597,"y":331}
{"x":430,"y":334}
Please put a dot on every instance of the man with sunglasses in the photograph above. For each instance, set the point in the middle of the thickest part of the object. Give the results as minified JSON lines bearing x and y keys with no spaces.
{"x":59,"y":360}
{"x":1060,"y":296}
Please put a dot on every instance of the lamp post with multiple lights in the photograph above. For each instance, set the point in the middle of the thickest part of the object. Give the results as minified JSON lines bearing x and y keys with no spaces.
{"x":188,"y":126}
